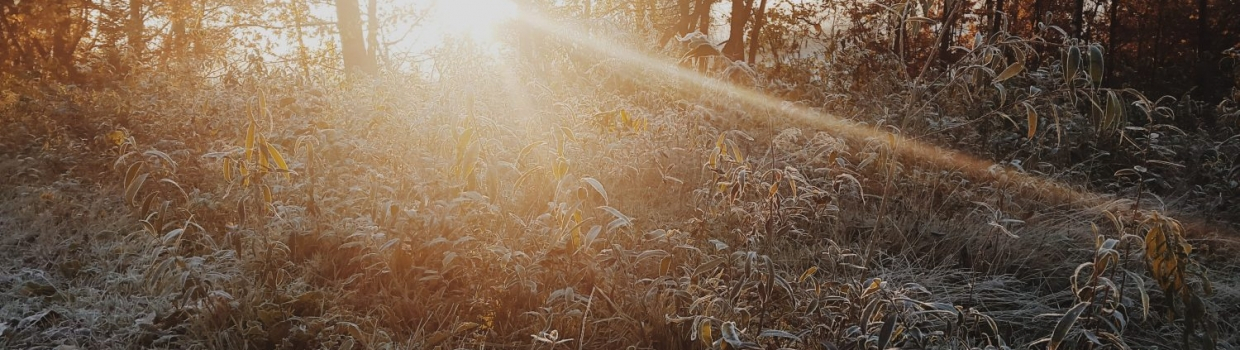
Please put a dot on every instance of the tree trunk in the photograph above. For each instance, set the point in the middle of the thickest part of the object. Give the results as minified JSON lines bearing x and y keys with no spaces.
{"x":1112,"y":36}
{"x":62,"y":50}
{"x":372,"y":31}
{"x":352,"y":42}
{"x":1034,"y":17}
{"x":1078,"y":17}
{"x":684,"y":23}
{"x":996,"y":16}
{"x":704,"y":22}
{"x":703,"y":16}
{"x":946,"y":37}
{"x":303,"y":57}
{"x":686,"y":17}
{"x":1204,"y":57}
{"x":136,"y":25}
{"x":175,"y":47}
{"x":735,"y":48}
{"x":5,"y":40}
{"x":759,"y":20}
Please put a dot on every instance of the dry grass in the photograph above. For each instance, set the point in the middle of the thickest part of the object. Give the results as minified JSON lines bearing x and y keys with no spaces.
{"x":467,"y":215}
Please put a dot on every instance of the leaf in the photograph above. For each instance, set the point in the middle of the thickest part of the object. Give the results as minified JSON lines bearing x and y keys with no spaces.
{"x":808,"y":272}
{"x":1114,"y":111}
{"x":575,"y":237}
{"x":146,"y":204}
{"x":665,"y":265}
{"x":1072,"y":62}
{"x":279,"y":159}
{"x":598,"y":187}
{"x":173,"y":235}
{"x":227,"y":168}
{"x":1065,"y":325}
{"x":245,"y":174}
{"x":131,"y":192}
{"x":132,"y":173}
{"x":560,"y":169}
{"x":267,"y":194}
{"x":731,"y":335}
{"x":1095,"y":65}
{"x":775,"y":333}
{"x":593,"y":234}
{"x":1010,"y":71}
{"x":526,"y":151}
{"x":264,"y":165}
{"x":704,"y":334}
{"x":241,"y":212}
{"x":117,"y":137}
{"x":249,"y":139}
{"x":889,"y":327}
{"x":162,"y":156}
{"x":1032,"y":116}
{"x":1145,"y":297}
{"x":621,"y":219}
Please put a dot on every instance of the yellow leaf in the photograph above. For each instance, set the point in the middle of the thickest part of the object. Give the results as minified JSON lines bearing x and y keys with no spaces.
{"x":793,"y":185}
{"x":1010,"y":72}
{"x":279,"y":159}
{"x":665,"y":265}
{"x":575,"y":240}
{"x":228,"y":174}
{"x":245,"y":174}
{"x":249,"y":140}
{"x":1032,"y":116}
{"x":117,"y":137}
{"x":264,"y":165}
{"x":807,"y":273}
{"x":561,"y":168}
{"x":704,"y":334}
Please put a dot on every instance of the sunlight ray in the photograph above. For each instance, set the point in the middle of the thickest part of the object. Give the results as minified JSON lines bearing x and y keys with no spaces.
{"x":942,"y":158}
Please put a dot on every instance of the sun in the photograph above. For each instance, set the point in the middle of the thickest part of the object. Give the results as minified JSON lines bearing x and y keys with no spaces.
{"x":476,"y":20}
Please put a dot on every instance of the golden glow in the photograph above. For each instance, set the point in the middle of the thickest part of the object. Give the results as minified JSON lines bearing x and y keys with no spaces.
{"x":938,"y":157}
{"x":475,"y":20}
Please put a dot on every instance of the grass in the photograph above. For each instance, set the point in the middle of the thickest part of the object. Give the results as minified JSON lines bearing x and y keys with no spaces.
{"x":612,"y":209}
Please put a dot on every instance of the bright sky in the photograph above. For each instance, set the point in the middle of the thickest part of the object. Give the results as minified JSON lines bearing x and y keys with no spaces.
{"x":472,"y":19}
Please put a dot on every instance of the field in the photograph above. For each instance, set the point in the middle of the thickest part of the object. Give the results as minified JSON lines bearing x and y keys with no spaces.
{"x":605,"y":198}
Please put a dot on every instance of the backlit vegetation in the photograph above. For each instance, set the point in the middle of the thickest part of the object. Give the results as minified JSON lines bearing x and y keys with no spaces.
{"x":580,"y":189}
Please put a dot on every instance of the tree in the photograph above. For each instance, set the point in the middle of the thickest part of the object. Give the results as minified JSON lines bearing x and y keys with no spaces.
{"x":949,"y":17}
{"x":735,"y":48}
{"x":352,"y":42}
{"x":136,"y":42}
{"x":756,"y":31}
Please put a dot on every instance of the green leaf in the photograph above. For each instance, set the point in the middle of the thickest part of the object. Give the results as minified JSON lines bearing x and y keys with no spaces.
{"x":1065,"y":325}
{"x":1095,"y":65}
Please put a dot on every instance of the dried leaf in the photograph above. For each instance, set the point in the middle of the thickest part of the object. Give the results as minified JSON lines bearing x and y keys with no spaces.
{"x":1032,"y":116}
{"x":1010,"y":71}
